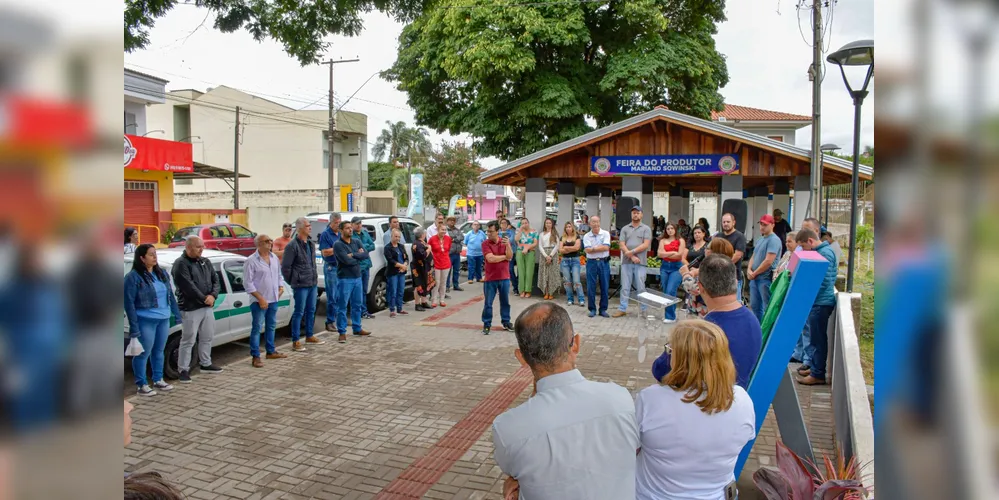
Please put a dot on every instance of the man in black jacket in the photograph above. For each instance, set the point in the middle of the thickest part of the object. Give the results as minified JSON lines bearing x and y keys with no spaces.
{"x":299,"y":269}
{"x":349,"y":253}
{"x":197,"y":288}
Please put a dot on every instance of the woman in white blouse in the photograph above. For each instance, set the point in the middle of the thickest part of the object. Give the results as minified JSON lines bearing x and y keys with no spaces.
{"x":549,"y":260}
{"x":695,"y":422}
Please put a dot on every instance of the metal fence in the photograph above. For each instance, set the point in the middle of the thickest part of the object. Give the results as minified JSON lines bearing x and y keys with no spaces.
{"x":836,"y":204}
{"x":851,"y":407}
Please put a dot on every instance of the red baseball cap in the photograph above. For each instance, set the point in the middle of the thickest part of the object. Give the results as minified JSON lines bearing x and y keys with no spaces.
{"x":767,"y":219}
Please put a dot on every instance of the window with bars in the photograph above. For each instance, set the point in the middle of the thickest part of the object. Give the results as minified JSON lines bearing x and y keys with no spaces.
{"x":140,"y":186}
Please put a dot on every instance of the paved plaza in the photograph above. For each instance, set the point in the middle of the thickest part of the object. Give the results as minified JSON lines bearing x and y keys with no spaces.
{"x":402,"y":414}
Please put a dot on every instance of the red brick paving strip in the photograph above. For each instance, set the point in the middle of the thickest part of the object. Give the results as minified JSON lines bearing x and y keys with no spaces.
{"x":422,"y":474}
{"x":448,"y":311}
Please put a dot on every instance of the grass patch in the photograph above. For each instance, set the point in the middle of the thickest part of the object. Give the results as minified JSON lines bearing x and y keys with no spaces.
{"x":864,"y":284}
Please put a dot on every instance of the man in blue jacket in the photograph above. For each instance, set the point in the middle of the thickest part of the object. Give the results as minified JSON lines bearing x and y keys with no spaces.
{"x":368,"y":244}
{"x":818,"y":318}
{"x":349,"y":254}
{"x":326,"y":241}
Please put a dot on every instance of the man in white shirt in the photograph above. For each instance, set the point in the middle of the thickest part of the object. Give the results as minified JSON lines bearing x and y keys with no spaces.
{"x":573,"y":439}
{"x":596,"y":244}
{"x":432,"y":230}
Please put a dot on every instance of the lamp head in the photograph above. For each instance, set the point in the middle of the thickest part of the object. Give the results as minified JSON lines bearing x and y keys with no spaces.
{"x":858,"y":53}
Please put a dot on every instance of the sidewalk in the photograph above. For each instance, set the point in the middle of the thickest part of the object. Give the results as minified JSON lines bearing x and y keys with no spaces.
{"x":405,"y":413}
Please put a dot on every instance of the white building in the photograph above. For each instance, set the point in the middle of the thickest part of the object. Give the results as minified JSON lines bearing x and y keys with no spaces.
{"x":775,"y":125}
{"x":284,"y":151}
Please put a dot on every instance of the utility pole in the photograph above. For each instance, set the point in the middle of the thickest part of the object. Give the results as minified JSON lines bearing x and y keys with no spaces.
{"x":813,"y":208}
{"x":235,"y":165}
{"x":332,"y":178}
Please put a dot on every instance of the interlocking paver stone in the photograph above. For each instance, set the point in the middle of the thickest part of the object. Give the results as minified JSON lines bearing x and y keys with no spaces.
{"x":414,"y":400}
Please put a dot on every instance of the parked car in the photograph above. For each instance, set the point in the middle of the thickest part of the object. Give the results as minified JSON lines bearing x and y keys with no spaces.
{"x":223,"y":237}
{"x":376,"y":225}
{"x":232,"y":309}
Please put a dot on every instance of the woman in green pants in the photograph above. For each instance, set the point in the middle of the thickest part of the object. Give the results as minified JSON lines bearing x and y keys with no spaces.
{"x":527,"y":241}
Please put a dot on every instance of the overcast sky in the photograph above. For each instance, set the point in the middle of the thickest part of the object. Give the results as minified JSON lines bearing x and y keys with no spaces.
{"x":767,"y":62}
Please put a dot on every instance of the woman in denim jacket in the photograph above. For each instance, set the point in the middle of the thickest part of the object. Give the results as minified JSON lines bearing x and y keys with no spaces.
{"x":149,"y":303}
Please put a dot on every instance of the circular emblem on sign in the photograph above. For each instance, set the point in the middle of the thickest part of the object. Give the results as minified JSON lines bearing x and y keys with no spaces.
{"x":417,"y":181}
{"x":602,"y":165}
{"x":727,"y":164}
{"x":129,"y":151}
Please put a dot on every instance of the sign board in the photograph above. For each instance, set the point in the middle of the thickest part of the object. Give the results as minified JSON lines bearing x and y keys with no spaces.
{"x":415,"y":195}
{"x":607,"y":166}
{"x":221,"y":218}
{"x":491,"y":195}
{"x":146,"y":153}
{"x":346,"y":197}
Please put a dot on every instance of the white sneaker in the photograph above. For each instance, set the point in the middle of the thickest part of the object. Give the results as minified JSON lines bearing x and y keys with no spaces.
{"x":146,"y":391}
{"x":162,"y":385}
{"x":669,"y":321}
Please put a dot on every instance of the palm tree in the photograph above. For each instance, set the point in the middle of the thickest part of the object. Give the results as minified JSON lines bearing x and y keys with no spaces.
{"x":391,"y":141}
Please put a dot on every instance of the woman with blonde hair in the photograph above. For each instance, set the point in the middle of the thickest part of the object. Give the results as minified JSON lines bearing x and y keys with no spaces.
{"x":695,"y":422}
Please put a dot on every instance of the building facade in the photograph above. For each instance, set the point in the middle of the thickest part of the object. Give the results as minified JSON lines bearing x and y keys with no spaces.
{"x":283,"y":151}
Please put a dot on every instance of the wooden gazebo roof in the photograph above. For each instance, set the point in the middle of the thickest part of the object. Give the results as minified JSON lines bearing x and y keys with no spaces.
{"x":664,"y":132}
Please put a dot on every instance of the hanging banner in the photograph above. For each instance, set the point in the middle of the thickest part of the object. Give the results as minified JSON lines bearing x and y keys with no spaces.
{"x":453,"y":205}
{"x":146,"y":153}
{"x":415,"y":195}
{"x":606,"y":166}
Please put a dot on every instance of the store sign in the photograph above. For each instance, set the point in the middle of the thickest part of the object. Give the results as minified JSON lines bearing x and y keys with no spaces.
{"x":664,"y":165}
{"x":145,"y":153}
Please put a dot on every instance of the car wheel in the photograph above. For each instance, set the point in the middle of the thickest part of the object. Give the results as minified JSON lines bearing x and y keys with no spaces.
{"x":171,"y":356}
{"x":377,"y":296}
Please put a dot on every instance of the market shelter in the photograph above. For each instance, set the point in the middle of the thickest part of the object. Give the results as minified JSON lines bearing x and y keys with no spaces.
{"x":666,"y":151}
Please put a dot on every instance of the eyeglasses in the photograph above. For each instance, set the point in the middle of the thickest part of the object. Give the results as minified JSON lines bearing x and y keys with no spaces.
{"x":668,"y":349}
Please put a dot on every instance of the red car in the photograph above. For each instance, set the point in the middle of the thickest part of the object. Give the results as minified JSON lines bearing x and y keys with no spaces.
{"x":231,"y":238}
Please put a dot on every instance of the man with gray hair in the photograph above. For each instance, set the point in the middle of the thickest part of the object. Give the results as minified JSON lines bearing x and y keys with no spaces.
{"x":574,"y":438}
{"x":745,"y":337}
{"x":299,"y":270}
{"x":262,"y":279}
{"x":197,"y":288}
{"x":327,"y":239}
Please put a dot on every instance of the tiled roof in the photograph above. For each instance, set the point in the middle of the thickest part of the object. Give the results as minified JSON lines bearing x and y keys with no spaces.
{"x":733,"y":112}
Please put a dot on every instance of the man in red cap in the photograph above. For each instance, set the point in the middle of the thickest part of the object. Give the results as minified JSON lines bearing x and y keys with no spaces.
{"x":766,"y":254}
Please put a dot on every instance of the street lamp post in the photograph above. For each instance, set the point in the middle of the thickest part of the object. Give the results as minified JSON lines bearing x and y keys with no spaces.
{"x":859,"y":53}
{"x":827,"y":148}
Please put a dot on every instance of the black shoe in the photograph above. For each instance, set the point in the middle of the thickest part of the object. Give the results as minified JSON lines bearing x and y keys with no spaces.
{"x":212,"y":368}
{"x":485,"y":330}
{"x":604,"y":314}
{"x":419,"y":307}
{"x":508,"y":327}
{"x":185,"y":377}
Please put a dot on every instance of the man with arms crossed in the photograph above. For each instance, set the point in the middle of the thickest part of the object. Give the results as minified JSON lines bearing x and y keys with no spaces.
{"x":738,"y":241}
{"x":327,"y":239}
{"x":573,"y":439}
{"x":349,"y":254}
{"x":497,"y":253}
{"x":197,"y":288}
{"x":636,"y":238}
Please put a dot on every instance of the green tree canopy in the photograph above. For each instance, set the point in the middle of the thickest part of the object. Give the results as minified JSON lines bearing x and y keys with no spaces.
{"x":453,"y":169}
{"x":525,"y":76}
{"x":301,"y":27}
{"x":380,"y":175}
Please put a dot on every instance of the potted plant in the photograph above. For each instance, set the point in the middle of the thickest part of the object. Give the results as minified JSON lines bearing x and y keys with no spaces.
{"x":795,"y":481}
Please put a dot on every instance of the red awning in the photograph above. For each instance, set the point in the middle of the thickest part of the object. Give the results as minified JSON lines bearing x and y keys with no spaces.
{"x":39,"y":122}
{"x":146,"y":153}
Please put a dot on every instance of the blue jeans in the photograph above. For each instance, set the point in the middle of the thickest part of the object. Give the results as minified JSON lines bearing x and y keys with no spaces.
{"x":800,"y":350}
{"x":738,"y":290}
{"x":669,"y":280}
{"x":570,"y":277}
{"x":365,"y":274}
{"x":266,"y":320}
{"x":492,"y":288}
{"x":475,"y":264}
{"x":349,"y":292}
{"x":305,"y":311}
{"x":759,"y":294}
{"x":632,"y":274}
{"x":396,"y":287}
{"x":818,"y":345}
{"x":513,"y":275}
{"x":153,"y":335}
{"x":455,"y":270}
{"x":597,"y":274}
{"x":329,"y":274}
